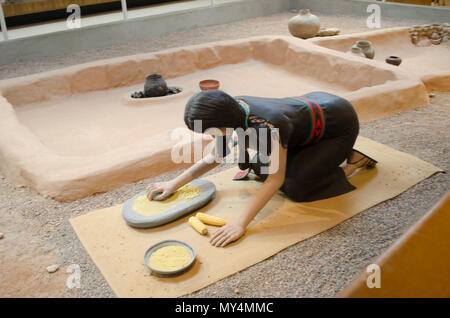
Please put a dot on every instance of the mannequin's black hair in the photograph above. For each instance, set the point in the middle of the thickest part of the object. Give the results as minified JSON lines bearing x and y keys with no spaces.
{"x":214,"y":108}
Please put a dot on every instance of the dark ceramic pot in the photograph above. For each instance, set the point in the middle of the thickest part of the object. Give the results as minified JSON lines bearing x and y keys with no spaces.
{"x":155,"y":86}
{"x":394,"y":60}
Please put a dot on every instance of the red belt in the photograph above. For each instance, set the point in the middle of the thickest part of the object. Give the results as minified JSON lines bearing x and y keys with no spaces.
{"x":317,"y":120}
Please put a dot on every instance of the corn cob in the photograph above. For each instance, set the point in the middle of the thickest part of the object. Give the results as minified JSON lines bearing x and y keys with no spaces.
{"x":211,"y":220}
{"x":198,"y":226}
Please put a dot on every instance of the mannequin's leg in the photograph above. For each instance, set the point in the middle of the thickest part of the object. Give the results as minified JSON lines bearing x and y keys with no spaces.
{"x":358,"y":160}
{"x":313,"y":172}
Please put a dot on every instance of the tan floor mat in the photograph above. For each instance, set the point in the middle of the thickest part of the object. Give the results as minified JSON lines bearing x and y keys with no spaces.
{"x":118,"y":249}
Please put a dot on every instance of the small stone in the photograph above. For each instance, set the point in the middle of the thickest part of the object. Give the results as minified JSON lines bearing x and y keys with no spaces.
{"x":52,"y":268}
{"x":237,"y":291}
{"x":431,"y":95}
{"x":1,"y":236}
{"x":138,"y":95}
{"x":48,"y":248}
{"x":329,"y":32}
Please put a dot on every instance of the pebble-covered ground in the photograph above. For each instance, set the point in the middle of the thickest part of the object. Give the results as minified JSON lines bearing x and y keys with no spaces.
{"x":37,"y":233}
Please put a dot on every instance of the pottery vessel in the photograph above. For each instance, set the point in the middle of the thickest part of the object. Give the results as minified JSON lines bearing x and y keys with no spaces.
{"x":304,"y":25}
{"x":445,"y":32}
{"x":424,"y":42}
{"x":446,"y":28}
{"x":436,"y":41}
{"x":356,"y":51}
{"x":366,"y":48}
{"x":155,"y":86}
{"x":394,"y":60}
{"x":435,"y":38}
{"x":436,"y":27}
{"x":428,"y":29}
{"x":209,"y":84}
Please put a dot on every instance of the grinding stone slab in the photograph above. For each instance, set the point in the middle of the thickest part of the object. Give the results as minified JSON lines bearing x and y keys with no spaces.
{"x":135,"y":219}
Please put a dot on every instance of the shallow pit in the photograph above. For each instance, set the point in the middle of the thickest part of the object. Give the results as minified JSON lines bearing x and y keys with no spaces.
{"x":72,"y":132}
{"x":97,"y":122}
{"x":431,"y":63}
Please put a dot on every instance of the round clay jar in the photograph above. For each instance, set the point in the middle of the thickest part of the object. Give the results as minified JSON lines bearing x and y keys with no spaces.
{"x":366,"y":48}
{"x":155,"y":86}
{"x":394,"y":60}
{"x":436,"y":27}
{"x":435,"y":38}
{"x":356,"y":51}
{"x":446,"y":27}
{"x":304,"y":25}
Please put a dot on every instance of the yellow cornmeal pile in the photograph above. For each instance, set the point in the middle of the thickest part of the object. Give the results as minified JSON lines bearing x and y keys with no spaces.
{"x":170,"y":258}
{"x":146,"y":207}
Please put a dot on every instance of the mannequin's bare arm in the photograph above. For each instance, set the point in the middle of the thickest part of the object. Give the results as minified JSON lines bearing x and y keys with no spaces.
{"x":196,"y":170}
{"x":199,"y":168}
{"x":273,"y":183}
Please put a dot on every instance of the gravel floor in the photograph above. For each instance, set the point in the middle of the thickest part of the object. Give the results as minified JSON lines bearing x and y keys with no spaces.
{"x":274,"y":24}
{"x":37,"y":232}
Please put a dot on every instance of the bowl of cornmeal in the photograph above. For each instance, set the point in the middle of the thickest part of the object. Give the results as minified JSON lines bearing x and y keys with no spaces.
{"x":169,"y":257}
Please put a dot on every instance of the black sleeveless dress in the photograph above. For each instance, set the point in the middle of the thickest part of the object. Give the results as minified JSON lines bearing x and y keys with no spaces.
{"x":319,"y":130}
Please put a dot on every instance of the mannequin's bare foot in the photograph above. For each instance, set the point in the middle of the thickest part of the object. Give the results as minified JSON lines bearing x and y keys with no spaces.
{"x":358,"y":160}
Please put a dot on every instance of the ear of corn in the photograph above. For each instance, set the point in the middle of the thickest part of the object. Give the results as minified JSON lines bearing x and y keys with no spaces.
{"x":211,"y":220}
{"x":197,"y":225}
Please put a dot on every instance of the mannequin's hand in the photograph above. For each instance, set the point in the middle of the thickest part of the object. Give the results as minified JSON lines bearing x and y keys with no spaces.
{"x":164,"y":188}
{"x":226,"y":234}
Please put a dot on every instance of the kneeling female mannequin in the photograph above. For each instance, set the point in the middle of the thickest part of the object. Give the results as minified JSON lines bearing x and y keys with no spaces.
{"x":316,"y":133}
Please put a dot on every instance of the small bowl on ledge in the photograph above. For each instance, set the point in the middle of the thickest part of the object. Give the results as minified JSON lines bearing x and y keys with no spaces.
{"x":209,"y":84}
{"x":394,"y":60}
